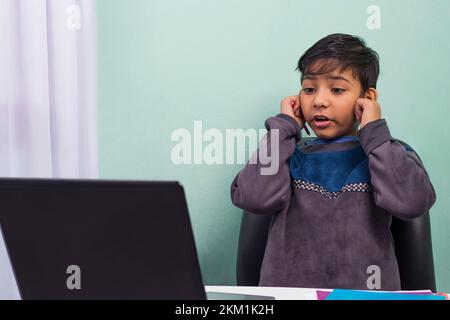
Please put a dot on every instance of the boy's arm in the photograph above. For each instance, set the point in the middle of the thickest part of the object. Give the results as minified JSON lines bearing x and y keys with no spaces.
{"x":402,"y":185}
{"x":266,"y":194}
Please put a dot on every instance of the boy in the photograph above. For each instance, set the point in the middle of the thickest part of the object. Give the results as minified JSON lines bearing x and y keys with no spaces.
{"x":334,"y":198}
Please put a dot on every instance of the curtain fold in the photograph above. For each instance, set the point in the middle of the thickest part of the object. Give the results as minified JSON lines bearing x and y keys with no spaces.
{"x":48,"y":113}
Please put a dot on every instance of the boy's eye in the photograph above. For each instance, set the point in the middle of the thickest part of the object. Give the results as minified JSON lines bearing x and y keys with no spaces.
{"x":334,"y":90}
{"x":338,"y":90}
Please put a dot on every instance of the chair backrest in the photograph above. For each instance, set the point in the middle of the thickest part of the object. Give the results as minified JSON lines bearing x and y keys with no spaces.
{"x":412,"y":240}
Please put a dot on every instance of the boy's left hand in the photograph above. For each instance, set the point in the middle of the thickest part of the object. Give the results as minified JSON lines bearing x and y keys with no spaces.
{"x":366,"y":111}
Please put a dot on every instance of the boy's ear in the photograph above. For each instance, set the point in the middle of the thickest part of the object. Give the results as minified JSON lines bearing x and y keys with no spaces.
{"x":371,"y":94}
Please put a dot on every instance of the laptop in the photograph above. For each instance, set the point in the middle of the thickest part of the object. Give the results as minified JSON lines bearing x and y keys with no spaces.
{"x":99,"y":239}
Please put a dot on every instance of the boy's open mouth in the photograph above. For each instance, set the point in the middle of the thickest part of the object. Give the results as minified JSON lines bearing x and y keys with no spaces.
{"x":321,"y":121}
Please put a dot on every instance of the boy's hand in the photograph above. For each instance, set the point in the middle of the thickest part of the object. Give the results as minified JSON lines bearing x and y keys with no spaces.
{"x":366,"y":111}
{"x":291,"y":106}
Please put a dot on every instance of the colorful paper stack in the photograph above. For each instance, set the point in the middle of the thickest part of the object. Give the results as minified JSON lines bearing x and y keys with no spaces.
{"x":344,"y":294}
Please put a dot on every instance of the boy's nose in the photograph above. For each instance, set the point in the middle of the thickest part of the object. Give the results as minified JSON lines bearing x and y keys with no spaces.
{"x":320,"y":100}
{"x":321,"y":103}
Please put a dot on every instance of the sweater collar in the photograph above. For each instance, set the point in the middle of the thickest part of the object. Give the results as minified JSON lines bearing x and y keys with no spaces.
{"x":333,"y":140}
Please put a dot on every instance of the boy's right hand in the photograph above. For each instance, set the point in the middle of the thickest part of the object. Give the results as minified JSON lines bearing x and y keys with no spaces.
{"x":291,"y":106}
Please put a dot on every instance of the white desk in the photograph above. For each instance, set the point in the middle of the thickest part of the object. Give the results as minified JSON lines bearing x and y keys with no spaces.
{"x":282,"y":293}
{"x":278,"y":292}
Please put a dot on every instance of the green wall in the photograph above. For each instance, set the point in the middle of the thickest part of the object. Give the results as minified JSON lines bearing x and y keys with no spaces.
{"x":165,"y":64}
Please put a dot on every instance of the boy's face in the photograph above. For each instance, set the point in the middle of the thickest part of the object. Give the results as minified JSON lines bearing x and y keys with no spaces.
{"x":334,"y":95}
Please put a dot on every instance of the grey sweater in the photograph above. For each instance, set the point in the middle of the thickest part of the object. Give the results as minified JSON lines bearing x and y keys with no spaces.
{"x":334,"y":201}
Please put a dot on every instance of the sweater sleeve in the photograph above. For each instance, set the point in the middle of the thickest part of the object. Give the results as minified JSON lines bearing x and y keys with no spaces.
{"x":401,"y":184}
{"x":263,"y":187}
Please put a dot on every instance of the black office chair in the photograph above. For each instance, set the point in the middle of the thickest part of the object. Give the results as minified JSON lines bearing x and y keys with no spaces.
{"x":412,"y":240}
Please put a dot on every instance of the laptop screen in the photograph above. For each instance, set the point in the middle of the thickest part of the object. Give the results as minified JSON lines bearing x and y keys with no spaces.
{"x":99,"y":239}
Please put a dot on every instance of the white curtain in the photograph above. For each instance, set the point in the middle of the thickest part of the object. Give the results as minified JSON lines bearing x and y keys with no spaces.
{"x":48,"y":119}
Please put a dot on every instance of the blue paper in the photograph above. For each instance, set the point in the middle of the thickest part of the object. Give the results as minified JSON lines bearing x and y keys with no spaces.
{"x":341,"y":294}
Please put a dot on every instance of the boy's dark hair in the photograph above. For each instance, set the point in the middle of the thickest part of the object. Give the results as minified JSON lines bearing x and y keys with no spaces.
{"x":342,"y":51}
